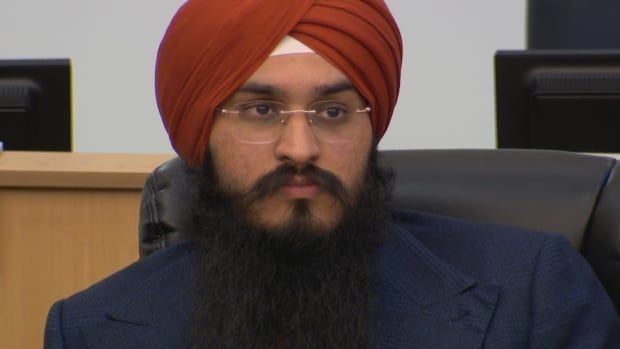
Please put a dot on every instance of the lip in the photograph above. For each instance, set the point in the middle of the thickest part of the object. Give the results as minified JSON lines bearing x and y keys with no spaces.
{"x":300,"y":188}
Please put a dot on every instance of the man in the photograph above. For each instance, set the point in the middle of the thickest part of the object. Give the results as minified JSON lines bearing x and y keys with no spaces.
{"x":277,"y":108}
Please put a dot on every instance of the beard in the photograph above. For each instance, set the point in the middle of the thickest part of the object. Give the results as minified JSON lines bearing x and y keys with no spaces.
{"x":300,"y":285}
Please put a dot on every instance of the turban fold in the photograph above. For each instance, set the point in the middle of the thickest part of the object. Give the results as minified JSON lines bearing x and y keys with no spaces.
{"x":212,"y":47}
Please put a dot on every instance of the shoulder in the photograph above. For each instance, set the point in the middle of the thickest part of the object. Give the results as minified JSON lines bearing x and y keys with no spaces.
{"x":459,"y":240}
{"x":427,"y":225}
{"x":151,"y":288}
{"x":146,"y":272}
{"x":148,"y":280}
{"x":538,"y":276}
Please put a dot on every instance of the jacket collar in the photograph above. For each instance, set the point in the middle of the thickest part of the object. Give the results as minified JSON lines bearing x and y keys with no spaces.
{"x":421,"y":302}
{"x":154,"y":312}
{"x":426,"y":303}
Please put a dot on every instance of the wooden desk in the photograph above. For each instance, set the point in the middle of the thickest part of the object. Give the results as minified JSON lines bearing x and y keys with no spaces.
{"x":66,"y":221}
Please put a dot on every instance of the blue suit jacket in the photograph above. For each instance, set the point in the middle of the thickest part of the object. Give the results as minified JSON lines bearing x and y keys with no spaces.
{"x":443,"y":283}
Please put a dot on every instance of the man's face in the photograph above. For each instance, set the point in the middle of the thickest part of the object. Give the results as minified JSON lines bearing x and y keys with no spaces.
{"x":297,"y":81}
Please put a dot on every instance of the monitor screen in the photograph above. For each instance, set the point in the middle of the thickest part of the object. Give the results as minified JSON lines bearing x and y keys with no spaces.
{"x":35,"y":104}
{"x":558,"y":99}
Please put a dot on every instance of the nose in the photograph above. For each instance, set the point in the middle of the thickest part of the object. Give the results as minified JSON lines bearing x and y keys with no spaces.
{"x":297,"y":143}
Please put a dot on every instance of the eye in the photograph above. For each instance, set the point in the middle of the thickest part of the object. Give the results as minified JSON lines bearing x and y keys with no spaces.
{"x":259,"y":109}
{"x":262,"y":109}
{"x":331,"y":111}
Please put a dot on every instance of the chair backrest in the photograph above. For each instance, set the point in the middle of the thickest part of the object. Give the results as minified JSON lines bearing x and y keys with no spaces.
{"x":573,"y":24}
{"x":568,"y":193}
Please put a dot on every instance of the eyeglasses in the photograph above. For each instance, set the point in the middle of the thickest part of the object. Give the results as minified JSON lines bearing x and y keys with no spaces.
{"x":263,"y":121}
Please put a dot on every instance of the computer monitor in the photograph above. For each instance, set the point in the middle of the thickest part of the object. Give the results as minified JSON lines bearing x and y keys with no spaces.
{"x":35,"y":104}
{"x":558,"y":99}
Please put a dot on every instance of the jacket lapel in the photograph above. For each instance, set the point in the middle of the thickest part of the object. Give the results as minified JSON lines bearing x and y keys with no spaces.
{"x":153,"y":315}
{"x":422,"y":303}
{"x":426,"y":303}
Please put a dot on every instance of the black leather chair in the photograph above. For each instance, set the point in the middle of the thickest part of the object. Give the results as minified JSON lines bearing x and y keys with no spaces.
{"x":573,"y":24}
{"x":572,"y":194}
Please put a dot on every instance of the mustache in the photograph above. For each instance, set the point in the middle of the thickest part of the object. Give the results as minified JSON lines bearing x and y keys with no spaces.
{"x":269,"y":183}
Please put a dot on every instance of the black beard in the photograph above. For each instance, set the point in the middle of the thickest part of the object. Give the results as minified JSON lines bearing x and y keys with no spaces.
{"x":294,"y":288}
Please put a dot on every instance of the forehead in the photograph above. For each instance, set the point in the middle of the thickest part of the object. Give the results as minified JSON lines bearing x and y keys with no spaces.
{"x":297,"y":71}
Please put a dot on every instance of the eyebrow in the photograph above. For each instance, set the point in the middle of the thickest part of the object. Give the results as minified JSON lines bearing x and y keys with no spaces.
{"x":322,"y":90}
{"x":261,"y":89}
{"x":329,"y":89}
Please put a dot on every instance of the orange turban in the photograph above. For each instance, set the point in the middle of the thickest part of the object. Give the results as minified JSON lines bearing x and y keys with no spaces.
{"x":212,"y":47}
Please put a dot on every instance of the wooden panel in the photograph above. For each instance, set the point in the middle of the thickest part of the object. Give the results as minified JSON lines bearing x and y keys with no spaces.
{"x":58,"y":239}
{"x":76,"y":170}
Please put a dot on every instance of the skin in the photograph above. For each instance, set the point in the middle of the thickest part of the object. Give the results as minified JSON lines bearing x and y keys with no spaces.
{"x":298,"y":80}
